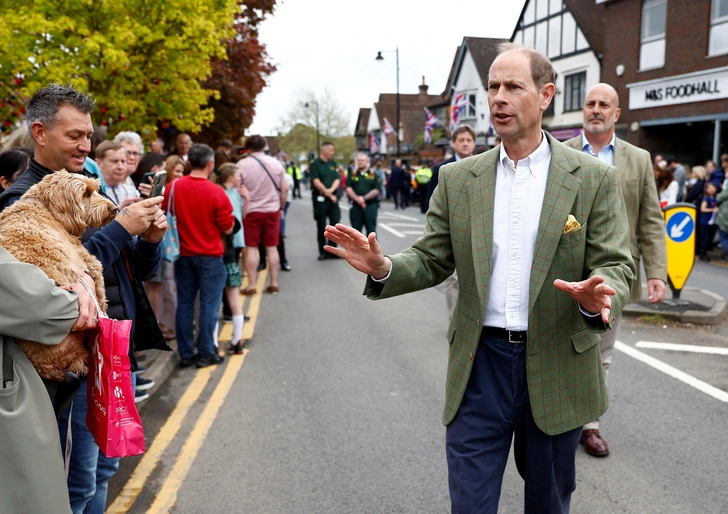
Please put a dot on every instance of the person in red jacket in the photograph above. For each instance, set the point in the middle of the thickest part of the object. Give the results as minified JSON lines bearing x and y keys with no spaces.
{"x":204,"y":213}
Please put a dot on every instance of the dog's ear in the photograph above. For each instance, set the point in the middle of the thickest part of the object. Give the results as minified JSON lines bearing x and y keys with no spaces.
{"x":92,"y":185}
{"x":65,"y":194}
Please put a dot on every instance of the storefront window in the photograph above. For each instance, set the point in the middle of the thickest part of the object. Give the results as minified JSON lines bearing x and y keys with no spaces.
{"x":574,"y":91}
{"x":719,"y":28}
{"x":654,"y":20}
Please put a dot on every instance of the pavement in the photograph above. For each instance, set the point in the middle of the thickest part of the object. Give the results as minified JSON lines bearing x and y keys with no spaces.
{"x":695,"y":305}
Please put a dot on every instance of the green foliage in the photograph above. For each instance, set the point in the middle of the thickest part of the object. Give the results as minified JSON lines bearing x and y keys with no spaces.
{"x":437,"y":134}
{"x":301,"y":140}
{"x":143,"y":60}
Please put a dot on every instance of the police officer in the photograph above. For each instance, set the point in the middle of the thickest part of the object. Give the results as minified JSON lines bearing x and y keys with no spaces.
{"x":363,"y":189}
{"x":423,"y":177}
{"x":295,"y":172}
{"x":325,"y":181}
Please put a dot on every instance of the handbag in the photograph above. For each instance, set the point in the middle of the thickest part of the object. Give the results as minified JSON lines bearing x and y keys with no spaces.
{"x":170,"y":241}
{"x":112,"y":416}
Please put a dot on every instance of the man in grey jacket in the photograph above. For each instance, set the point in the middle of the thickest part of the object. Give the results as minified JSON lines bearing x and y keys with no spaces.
{"x":32,"y":478}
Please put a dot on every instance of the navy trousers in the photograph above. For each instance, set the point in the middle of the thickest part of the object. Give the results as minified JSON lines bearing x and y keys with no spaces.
{"x":496,"y":408}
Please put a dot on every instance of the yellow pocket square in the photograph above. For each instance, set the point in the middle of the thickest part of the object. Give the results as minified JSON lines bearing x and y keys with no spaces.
{"x":571,"y":225}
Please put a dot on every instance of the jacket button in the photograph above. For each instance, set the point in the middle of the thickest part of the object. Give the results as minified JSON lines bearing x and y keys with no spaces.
{"x":477,"y":322}
{"x":470,"y":355}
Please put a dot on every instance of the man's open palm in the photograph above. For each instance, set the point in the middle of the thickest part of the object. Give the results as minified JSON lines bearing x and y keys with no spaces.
{"x":363,"y":253}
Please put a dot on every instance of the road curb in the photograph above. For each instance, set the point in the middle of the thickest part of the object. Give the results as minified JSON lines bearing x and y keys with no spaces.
{"x":715,"y":303}
{"x":161,"y":365}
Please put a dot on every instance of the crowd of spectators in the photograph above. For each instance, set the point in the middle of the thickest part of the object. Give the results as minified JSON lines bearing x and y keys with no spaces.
{"x":704,"y":186}
{"x":207,"y":191}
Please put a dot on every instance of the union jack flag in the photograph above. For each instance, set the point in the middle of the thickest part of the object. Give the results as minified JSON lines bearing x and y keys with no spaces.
{"x":388,"y":128}
{"x":430,"y":122}
{"x":373,"y":144}
{"x":457,"y":104}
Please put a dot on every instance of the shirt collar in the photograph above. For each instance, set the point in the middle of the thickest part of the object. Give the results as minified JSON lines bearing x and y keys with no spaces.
{"x":535,"y":160}
{"x":587,"y":147}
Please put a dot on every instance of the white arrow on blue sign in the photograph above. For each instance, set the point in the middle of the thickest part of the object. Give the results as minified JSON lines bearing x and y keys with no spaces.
{"x":680,"y":227}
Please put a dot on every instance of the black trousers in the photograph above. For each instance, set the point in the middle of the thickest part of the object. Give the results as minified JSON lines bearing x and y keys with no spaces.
{"x":325,"y":213}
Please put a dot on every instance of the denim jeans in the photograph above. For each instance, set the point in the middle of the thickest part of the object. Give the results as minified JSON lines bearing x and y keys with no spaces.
{"x":206,"y":275}
{"x":723,"y":242}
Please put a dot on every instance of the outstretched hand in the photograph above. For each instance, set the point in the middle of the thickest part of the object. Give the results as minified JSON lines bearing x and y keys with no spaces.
{"x":592,"y":294}
{"x":362,"y":252}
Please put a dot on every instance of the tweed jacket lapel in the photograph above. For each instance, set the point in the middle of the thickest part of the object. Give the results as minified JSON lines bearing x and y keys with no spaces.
{"x":620,"y":158}
{"x":481,"y":197}
{"x":561,"y":190}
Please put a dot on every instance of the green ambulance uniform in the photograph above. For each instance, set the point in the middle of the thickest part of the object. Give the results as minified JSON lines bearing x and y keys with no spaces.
{"x":361,"y":184}
{"x":324,"y":208}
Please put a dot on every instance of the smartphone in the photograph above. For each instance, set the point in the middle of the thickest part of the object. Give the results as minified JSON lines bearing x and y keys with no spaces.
{"x":158,"y":183}
{"x":146,"y":177}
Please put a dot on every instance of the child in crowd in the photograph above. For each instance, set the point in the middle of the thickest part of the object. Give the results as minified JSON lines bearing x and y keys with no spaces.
{"x":234,"y":244}
{"x":708,"y":213}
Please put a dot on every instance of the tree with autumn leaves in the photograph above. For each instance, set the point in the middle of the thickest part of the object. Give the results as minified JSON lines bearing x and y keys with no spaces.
{"x":149,"y":63}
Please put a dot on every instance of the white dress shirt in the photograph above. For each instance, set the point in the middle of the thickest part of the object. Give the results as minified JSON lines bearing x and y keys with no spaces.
{"x":519,"y":193}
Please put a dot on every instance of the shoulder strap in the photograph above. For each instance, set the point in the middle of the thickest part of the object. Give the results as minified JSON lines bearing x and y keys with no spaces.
{"x":170,"y":203}
{"x":268,"y":172}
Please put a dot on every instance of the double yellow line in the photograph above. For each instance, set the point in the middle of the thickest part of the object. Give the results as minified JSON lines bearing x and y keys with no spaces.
{"x":167,"y":495}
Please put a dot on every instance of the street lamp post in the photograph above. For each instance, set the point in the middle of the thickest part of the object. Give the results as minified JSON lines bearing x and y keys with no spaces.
{"x":316,"y":111}
{"x":380,"y":58}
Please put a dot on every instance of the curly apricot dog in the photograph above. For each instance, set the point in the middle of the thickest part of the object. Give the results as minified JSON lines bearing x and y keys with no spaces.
{"x":43,"y":228}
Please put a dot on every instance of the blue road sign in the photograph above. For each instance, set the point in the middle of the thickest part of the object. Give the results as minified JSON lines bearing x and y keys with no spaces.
{"x":680,"y":227}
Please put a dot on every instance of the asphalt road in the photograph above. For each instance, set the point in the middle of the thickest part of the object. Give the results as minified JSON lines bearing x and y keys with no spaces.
{"x":337,"y":406}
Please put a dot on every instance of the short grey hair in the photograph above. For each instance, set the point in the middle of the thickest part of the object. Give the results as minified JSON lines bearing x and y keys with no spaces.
{"x":199,"y":155}
{"x":369,"y":160}
{"x":130,"y":137}
{"x":43,"y":106}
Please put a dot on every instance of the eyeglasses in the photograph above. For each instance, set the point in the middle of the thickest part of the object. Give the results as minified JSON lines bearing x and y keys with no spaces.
{"x":133,"y":154}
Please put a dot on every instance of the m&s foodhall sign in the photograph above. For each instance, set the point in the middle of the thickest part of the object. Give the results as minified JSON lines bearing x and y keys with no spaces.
{"x":681,"y":89}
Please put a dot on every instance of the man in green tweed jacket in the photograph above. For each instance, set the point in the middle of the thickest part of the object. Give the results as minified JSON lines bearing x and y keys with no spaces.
{"x":538,"y":235}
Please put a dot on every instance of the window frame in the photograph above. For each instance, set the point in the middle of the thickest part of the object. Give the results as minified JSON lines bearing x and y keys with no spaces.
{"x":569,"y":91}
{"x":646,"y":5}
{"x":715,"y":22}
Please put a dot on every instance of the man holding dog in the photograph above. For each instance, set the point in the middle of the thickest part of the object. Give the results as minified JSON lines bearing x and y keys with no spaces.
{"x":539,"y":238}
{"x":59,"y":119}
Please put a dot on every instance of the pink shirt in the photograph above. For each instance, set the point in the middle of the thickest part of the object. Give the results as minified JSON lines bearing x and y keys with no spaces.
{"x":264,"y":196}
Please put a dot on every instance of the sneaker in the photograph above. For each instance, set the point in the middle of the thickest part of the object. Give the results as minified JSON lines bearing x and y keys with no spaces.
{"x":186,"y":363}
{"x":209,"y":360}
{"x":236,"y":349}
{"x":143,"y":384}
{"x":140,"y":369}
{"x":140,"y":396}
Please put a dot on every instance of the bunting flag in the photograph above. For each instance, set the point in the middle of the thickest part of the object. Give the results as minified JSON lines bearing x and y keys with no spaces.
{"x":457,"y":104}
{"x":373,"y":144}
{"x":388,"y":128}
{"x":430,"y":122}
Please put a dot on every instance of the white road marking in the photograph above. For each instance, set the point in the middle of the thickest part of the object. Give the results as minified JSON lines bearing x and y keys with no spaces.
{"x":413,"y":232}
{"x":396,"y":216}
{"x":690,"y":380}
{"x":391,"y":230}
{"x":714,"y":350}
{"x":414,"y":225}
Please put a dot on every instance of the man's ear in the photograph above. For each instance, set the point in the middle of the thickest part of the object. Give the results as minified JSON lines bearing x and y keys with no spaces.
{"x":39,"y":133}
{"x":547,"y":94}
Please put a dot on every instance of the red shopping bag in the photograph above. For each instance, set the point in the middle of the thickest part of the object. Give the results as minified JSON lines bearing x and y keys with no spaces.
{"x":112,"y":416}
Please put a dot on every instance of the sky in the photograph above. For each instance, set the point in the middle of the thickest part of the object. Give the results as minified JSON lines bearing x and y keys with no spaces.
{"x":333,"y":43}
